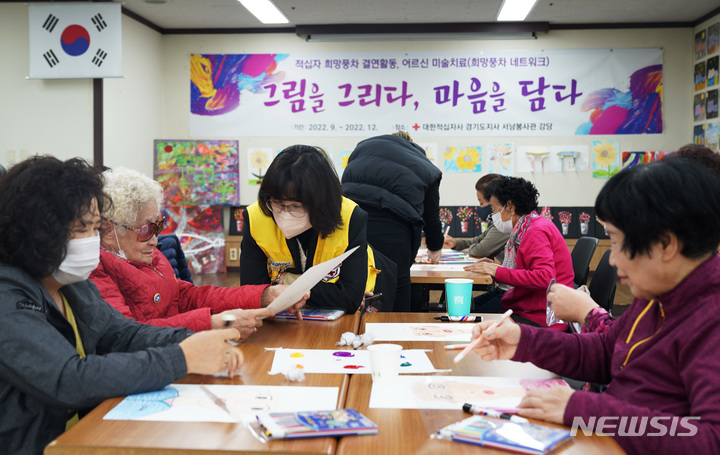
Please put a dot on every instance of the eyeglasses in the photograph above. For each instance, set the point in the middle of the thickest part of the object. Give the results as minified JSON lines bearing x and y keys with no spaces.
{"x":277,"y":208}
{"x":147,"y":230}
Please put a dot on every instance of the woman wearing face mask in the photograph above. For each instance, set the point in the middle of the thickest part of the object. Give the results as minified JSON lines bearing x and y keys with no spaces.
{"x":302,"y":219}
{"x":137,"y":279}
{"x":535,"y":253}
{"x":64,"y":349}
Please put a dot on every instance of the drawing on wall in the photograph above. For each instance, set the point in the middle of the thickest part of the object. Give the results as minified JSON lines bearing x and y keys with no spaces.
{"x":713,"y":38}
{"x":532,"y":158}
{"x":198,"y":172}
{"x":463,"y":159}
{"x":637,"y":111}
{"x":199,"y":229}
{"x":451,"y":392}
{"x":699,"y":107}
{"x":446,"y":217}
{"x":343,"y":361}
{"x":699,"y":134}
{"x":632,"y":159}
{"x":700,"y":44}
{"x":712,"y":71}
{"x":606,"y":159}
{"x":189,"y":403}
{"x":711,"y":136}
{"x":431,"y":151}
{"x":568,"y":158}
{"x":342,"y":161}
{"x":699,"y":76}
{"x":259,"y":160}
{"x":502,"y":158}
{"x":218,"y":80}
{"x":711,"y":104}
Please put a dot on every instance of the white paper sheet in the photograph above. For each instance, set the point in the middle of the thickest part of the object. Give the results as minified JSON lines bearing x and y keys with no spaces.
{"x":188,"y":402}
{"x":305,"y":282}
{"x":419,"y":331}
{"x":345,"y":361}
{"x":438,"y":267}
{"x":451,"y":392}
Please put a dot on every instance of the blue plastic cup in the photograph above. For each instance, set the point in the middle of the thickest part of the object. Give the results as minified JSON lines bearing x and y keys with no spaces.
{"x":459,"y":296}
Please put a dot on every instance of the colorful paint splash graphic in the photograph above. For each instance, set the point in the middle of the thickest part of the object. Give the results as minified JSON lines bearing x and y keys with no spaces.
{"x":637,"y":111}
{"x":217,"y":80}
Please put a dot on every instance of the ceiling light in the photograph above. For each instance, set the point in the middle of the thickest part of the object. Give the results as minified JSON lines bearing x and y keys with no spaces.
{"x":515,"y":10}
{"x":416,"y":36}
{"x":265,"y":11}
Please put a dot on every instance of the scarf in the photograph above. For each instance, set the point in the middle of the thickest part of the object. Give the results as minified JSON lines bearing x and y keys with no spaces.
{"x":516,"y":236}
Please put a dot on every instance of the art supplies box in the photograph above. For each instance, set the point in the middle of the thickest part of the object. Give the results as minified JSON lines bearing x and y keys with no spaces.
{"x":503,"y":434}
{"x":313,"y":314}
{"x":315,"y":424}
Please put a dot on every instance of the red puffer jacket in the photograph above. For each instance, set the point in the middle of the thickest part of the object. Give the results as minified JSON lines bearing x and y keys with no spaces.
{"x":152,"y":295}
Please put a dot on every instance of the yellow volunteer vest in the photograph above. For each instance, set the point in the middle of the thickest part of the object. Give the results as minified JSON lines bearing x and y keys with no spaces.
{"x":273,"y":243}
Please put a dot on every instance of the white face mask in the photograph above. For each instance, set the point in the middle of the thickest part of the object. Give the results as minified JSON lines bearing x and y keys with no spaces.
{"x":291,"y":226}
{"x":503,"y":226}
{"x":83,"y":256}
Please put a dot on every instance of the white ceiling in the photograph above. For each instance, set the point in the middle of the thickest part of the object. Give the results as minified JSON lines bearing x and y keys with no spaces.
{"x":213,"y":14}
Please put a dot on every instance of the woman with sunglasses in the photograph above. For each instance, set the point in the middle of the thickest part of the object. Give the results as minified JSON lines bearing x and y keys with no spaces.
{"x":302,"y":219}
{"x":660,"y":358}
{"x":64,"y":350}
{"x":137,"y":279}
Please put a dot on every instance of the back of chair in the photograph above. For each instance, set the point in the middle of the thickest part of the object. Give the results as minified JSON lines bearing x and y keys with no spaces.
{"x":603,"y":284}
{"x":581,"y":256}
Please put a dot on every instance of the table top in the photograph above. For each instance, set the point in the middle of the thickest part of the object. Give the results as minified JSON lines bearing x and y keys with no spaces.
{"x":409,"y":430}
{"x":436,"y":274}
{"x":93,"y":435}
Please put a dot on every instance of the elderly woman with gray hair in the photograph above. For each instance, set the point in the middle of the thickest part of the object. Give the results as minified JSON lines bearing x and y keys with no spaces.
{"x":136,"y":278}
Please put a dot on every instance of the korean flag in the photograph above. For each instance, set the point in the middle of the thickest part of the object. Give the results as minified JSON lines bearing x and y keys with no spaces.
{"x":75,"y":40}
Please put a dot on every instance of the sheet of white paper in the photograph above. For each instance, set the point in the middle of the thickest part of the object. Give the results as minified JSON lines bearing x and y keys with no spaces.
{"x":420,"y":331}
{"x":451,"y":392}
{"x":345,"y":361}
{"x":305,"y":282}
{"x":188,"y":402}
{"x":438,"y":267}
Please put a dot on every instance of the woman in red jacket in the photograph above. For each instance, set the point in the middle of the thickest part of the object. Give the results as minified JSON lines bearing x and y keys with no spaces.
{"x":535,"y":253}
{"x":137,"y":279}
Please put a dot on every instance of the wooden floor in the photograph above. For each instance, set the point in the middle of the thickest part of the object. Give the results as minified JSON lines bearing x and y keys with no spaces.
{"x":623,"y":297}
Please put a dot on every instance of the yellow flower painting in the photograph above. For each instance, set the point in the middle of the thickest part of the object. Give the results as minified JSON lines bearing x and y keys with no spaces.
{"x":463,"y":159}
{"x":258,"y":163}
{"x":606,"y":159}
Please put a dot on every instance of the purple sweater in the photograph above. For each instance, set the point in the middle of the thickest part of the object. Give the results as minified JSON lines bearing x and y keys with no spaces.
{"x":674,"y":373}
{"x":542,"y":255}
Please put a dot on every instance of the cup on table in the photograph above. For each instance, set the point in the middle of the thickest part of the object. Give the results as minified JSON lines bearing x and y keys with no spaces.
{"x":384,"y":362}
{"x":458,"y":293}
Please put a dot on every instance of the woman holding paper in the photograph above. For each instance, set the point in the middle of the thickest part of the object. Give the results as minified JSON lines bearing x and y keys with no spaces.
{"x":64,"y":350}
{"x":135,"y":277}
{"x":660,"y":358}
{"x":301,"y":219}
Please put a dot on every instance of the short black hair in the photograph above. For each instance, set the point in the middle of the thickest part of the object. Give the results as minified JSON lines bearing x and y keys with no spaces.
{"x":40,"y":200}
{"x":672,"y":195}
{"x":521,"y":192}
{"x":486,"y":180}
{"x":303,"y":173}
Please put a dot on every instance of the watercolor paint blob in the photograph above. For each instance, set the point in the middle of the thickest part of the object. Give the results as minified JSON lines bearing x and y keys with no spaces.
{"x":353,"y":367}
{"x":343,"y":354}
{"x":406,"y":364}
{"x":297,"y":354}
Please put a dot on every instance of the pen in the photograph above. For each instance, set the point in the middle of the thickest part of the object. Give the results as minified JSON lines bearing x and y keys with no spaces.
{"x":459,"y":318}
{"x":477,"y":410}
{"x":228,"y":319}
{"x":216,"y":399}
{"x":447,"y":230}
{"x":450,"y":347}
{"x":476,"y":341}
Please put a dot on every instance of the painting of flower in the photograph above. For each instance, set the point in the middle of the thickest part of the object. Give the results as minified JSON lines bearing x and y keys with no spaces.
{"x":502,"y":158}
{"x":342,"y":161}
{"x":606,"y":159}
{"x":258,"y":162}
{"x":463,"y":159}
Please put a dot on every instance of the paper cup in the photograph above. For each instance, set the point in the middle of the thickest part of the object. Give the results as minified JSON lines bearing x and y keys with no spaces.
{"x":458,"y":292}
{"x":384,"y":362}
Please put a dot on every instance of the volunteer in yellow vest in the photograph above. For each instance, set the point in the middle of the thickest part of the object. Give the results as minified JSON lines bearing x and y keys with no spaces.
{"x":302,"y":219}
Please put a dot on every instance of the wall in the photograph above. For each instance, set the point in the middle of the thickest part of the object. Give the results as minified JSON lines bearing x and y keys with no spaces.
{"x":152,"y":100}
{"x":555,"y":189}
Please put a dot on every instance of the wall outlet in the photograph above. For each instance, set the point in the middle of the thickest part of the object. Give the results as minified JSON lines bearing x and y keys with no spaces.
{"x":233,"y":254}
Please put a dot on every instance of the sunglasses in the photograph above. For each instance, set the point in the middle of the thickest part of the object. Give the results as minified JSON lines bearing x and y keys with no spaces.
{"x":147,"y":230}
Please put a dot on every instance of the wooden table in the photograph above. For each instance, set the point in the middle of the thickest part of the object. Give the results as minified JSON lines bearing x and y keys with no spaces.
{"x":423,"y":281}
{"x":93,"y":435}
{"x":404,"y":431}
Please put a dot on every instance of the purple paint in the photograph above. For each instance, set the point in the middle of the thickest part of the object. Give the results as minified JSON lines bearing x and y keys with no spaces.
{"x":343,"y":354}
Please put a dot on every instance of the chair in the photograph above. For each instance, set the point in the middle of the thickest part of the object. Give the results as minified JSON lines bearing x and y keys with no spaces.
{"x":603,"y":284}
{"x":169,"y":245}
{"x":581,"y":256}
